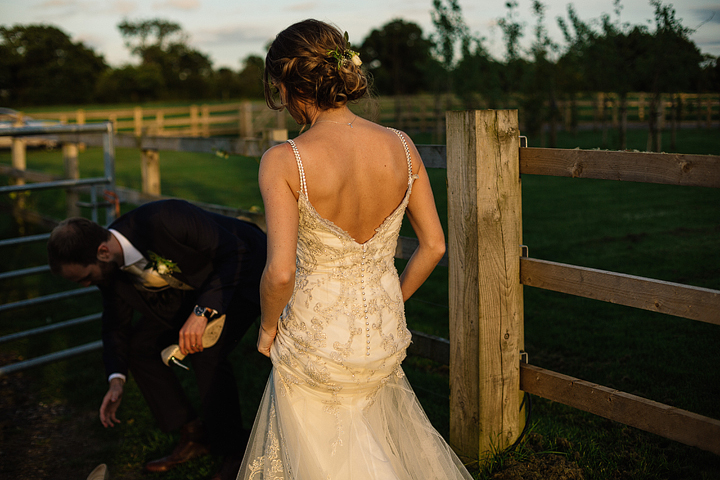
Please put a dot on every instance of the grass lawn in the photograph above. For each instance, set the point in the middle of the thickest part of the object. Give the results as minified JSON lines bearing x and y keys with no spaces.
{"x":664,"y":232}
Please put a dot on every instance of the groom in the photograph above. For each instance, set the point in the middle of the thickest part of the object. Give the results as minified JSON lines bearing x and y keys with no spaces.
{"x":178,"y":266}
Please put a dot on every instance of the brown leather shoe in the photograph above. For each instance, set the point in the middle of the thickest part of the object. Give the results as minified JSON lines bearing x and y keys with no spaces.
{"x":191,"y":445}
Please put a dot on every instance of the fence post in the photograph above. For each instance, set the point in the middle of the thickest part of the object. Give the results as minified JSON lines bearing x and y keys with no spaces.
{"x":271,"y":136}
{"x":245,"y":117}
{"x":486,"y":302}
{"x":205,"y":120}
{"x":641,"y":107}
{"x":19,"y":162}
{"x":150,"y":168}
{"x":160,"y":122}
{"x":194,"y":131}
{"x":709,"y":111}
{"x":280,"y":116}
{"x":72,"y":171}
{"x":138,"y":119}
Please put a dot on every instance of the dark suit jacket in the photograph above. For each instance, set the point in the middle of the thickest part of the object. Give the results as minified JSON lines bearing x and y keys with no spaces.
{"x":221,"y":257}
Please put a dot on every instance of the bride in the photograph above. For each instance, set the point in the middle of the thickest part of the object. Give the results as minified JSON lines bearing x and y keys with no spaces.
{"x":337,"y":404}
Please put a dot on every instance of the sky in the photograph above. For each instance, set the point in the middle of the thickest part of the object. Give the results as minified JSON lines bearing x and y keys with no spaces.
{"x":230,"y":30}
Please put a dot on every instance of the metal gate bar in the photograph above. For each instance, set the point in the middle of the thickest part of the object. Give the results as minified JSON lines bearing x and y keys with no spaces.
{"x":49,"y":358}
{"x":47,"y":298}
{"x":50,"y":328}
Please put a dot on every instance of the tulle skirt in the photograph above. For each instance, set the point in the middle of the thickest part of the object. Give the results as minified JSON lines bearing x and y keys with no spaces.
{"x":376,"y":432}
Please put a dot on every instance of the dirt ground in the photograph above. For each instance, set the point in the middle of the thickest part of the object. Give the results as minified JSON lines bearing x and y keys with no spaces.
{"x":543,"y":467}
{"x":42,"y":440}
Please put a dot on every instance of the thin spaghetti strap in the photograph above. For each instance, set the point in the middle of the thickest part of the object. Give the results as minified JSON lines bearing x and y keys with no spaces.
{"x":407,"y":153}
{"x":303,"y":185}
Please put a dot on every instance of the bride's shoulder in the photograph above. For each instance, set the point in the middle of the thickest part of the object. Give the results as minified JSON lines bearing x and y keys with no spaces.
{"x":278,"y":155}
{"x":278,"y":161}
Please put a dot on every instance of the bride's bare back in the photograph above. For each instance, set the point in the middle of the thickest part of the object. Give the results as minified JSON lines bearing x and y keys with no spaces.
{"x":356,"y":176}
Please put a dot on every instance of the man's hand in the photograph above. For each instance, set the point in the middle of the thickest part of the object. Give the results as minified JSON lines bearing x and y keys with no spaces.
{"x":191,"y":334}
{"x":266,"y":339}
{"x":111,"y":402}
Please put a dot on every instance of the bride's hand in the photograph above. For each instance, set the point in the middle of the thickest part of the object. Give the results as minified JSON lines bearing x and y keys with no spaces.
{"x":266,"y":337}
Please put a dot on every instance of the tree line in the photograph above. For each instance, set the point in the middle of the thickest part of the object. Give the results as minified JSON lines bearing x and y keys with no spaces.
{"x":41,"y":65}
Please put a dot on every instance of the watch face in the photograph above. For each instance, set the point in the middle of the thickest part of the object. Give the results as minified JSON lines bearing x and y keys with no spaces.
{"x":199,"y":311}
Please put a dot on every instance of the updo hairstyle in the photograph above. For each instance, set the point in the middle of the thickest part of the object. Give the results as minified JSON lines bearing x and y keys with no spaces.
{"x":298,"y":59}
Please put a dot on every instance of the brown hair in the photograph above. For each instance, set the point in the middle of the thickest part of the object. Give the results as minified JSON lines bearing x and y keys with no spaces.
{"x":299,"y":59}
{"x":75,"y":241}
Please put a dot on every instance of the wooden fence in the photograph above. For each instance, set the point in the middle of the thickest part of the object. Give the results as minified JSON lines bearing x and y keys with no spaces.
{"x":488,"y":268}
{"x":246,"y":119}
{"x":418,"y":113}
{"x":488,"y":271}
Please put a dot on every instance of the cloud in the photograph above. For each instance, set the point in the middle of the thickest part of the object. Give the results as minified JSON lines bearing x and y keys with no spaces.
{"x":54,"y":9}
{"x":57,"y":3}
{"x":303,"y":7}
{"x":186,"y":5}
{"x":710,"y":14}
{"x":122,"y":7}
{"x":235,"y":34}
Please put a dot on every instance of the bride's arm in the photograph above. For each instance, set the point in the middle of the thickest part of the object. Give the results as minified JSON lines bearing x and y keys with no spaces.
{"x":423,"y":216}
{"x":281,"y":215}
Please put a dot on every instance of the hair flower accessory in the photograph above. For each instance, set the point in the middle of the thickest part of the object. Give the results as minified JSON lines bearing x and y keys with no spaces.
{"x":342,"y":55}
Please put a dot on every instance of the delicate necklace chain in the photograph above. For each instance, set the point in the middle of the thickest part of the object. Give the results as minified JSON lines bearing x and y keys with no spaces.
{"x":350,"y":124}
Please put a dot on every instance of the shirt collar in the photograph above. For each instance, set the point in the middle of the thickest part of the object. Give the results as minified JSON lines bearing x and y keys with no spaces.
{"x":131,"y":255}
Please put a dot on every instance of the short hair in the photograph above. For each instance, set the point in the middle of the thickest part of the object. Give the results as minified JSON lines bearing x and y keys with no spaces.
{"x":299,"y":59}
{"x":75,"y":241}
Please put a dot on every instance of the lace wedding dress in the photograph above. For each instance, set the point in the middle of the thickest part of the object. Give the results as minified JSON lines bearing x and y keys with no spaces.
{"x":337,"y":405}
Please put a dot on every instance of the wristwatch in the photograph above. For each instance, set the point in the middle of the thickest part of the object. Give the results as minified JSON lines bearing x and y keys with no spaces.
{"x":203,"y":311}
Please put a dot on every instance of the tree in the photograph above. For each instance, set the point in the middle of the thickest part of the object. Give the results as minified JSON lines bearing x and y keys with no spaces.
{"x":140,"y":83}
{"x":141,"y":37}
{"x":572,"y":65}
{"x":399,"y":57}
{"x":615,"y":65}
{"x":250,"y":78}
{"x":187,"y":73}
{"x":673,"y":64}
{"x":540,"y":87}
{"x":515,"y":67}
{"x":476,"y":75}
{"x":40,"y":64}
{"x":450,"y":28}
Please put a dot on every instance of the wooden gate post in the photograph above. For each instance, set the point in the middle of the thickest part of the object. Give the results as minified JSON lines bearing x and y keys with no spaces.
{"x":19,"y":162}
{"x":150,"y":170}
{"x":72,"y":171}
{"x":245,"y":120}
{"x":486,"y":302}
{"x":137,"y":121}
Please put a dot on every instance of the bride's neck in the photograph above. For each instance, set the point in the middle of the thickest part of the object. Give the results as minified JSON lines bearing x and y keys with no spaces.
{"x":334,"y":115}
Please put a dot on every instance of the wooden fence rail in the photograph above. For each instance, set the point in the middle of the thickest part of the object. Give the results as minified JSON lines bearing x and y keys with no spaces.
{"x":418,"y":113}
{"x":246,"y":119}
{"x":664,"y":420}
{"x":685,"y":301}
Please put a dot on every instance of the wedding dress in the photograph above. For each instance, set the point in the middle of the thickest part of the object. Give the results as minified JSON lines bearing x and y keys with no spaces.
{"x":337,"y":405}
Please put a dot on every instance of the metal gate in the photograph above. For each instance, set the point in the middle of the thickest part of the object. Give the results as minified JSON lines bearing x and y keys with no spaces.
{"x":66,"y":134}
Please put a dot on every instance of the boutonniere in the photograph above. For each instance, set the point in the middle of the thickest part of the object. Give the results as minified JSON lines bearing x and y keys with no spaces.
{"x":161,"y":265}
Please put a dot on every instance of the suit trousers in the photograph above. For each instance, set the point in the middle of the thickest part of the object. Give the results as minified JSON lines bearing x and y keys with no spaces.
{"x":213,"y":371}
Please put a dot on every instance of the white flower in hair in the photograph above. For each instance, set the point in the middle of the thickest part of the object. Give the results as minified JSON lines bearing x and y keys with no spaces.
{"x":356,"y":60}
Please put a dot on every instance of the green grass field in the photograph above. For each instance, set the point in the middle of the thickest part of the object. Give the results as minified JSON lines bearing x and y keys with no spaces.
{"x":664,"y":232}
